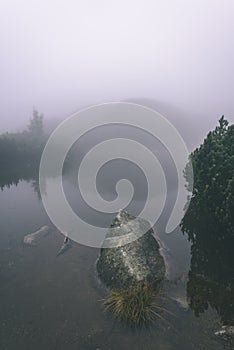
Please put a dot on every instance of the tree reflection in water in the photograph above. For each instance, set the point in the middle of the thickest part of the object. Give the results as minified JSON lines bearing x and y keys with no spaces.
{"x":211,"y":276}
{"x":12,"y":175}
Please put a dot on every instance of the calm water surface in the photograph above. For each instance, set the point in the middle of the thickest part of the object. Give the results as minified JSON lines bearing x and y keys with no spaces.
{"x":49,"y":302}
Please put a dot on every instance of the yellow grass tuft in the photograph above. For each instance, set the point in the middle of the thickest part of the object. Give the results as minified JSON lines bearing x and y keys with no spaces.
{"x":136,"y":304}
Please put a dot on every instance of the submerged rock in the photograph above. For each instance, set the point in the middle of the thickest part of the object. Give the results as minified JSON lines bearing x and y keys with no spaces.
{"x":65,"y":246}
{"x":32,"y":238}
{"x":133,"y":263}
{"x":226,"y":332}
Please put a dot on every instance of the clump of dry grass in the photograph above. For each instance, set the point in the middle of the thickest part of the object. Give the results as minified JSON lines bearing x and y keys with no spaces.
{"x":136,"y":304}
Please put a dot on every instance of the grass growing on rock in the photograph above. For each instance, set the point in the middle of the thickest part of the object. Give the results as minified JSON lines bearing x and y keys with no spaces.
{"x":136,"y":304}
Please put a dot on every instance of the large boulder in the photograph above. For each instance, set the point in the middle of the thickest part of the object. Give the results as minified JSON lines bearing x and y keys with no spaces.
{"x":134,"y":263}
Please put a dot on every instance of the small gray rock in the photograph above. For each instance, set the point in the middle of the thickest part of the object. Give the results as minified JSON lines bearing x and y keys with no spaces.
{"x":226,"y":331}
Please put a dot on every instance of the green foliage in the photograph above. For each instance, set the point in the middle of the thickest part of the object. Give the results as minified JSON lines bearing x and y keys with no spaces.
{"x":209,"y":224}
{"x":213,"y":166}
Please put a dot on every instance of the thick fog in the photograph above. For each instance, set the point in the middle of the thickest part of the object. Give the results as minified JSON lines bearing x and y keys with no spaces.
{"x":176,"y":56}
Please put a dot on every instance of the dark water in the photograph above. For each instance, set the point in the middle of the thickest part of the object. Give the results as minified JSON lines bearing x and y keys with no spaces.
{"x":49,"y":302}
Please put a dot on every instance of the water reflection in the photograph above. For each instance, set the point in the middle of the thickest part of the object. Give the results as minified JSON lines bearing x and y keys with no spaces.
{"x":11,"y":175}
{"x":211,"y":276}
{"x":54,"y":302}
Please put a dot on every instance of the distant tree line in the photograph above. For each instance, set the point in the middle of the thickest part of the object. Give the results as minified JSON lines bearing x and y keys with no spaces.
{"x":24,"y":147}
{"x":20,"y":153}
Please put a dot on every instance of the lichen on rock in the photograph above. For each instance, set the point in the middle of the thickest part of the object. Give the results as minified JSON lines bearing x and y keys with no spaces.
{"x":134,"y":263}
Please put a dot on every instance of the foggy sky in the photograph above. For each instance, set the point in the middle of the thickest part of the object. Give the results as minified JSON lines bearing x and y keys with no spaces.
{"x":59,"y":55}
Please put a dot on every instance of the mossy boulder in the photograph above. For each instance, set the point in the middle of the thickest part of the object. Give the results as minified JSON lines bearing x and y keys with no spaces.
{"x":134,"y":263}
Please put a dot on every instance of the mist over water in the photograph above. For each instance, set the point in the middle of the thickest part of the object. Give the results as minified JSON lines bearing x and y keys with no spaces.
{"x":58,"y":57}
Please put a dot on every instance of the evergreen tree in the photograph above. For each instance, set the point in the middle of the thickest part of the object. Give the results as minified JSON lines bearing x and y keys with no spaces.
{"x":213,"y":167}
{"x":36,"y":126}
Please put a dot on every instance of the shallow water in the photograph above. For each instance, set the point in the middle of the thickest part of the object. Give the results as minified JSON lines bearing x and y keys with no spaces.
{"x":55,"y":302}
